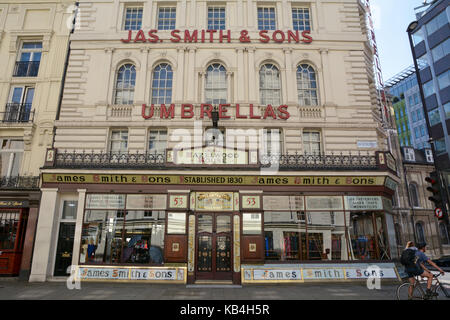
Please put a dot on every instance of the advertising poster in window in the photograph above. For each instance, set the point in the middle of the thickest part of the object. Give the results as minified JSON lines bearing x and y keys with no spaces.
{"x":220,"y":201}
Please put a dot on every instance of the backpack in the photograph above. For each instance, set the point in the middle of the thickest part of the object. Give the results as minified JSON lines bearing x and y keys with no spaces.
{"x":408,"y":258}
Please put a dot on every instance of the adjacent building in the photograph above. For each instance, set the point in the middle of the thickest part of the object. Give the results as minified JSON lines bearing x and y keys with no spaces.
{"x":239,"y":141}
{"x":33,"y":47}
{"x":431,"y":46}
{"x":409,"y":115}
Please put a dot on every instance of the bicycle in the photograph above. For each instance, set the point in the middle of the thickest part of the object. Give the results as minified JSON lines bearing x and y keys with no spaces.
{"x":419,"y":290}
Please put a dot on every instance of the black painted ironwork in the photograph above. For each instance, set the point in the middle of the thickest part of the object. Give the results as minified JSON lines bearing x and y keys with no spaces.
{"x":18,"y":113}
{"x":19,"y":182}
{"x":109,"y":160}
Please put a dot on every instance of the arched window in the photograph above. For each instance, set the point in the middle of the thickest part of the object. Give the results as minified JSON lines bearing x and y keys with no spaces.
{"x":162,"y":84}
{"x":420,"y":232}
{"x":443,"y":232}
{"x":125,"y":82}
{"x":269,"y":85}
{"x":398,"y":234}
{"x":306,"y":85}
{"x":216,"y":84}
{"x":414,"y":195}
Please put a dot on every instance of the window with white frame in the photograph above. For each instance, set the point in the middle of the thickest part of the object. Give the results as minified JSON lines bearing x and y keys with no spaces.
{"x":306,"y":85}
{"x":11,"y":157}
{"x":301,"y":19}
{"x":133,"y":18}
{"x":216,"y":18}
{"x":157,"y":141}
{"x":125,"y":83}
{"x":167,"y":18}
{"x":118,"y":142}
{"x":162,"y":84}
{"x":29,"y":59}
{"x":311,"y":142}
{"x":266,"y":18}
{"x":269,"y":85}
{"x":273,"y":141}
{"x":216,"y":84}
{"x":18,"y":108}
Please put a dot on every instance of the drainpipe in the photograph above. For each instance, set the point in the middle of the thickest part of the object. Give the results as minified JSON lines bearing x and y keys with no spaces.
{"x":63,"y":80}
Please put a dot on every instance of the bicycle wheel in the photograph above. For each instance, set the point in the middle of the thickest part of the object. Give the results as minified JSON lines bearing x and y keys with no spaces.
{"x":403,"y":294}
{"x":441,"y":293}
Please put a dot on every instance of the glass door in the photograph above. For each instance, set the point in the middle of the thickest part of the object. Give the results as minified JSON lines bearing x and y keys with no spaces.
{"x":214,"y":246}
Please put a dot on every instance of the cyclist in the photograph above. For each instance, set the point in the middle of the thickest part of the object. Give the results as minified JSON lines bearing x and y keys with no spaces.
{"x":419,"y":269}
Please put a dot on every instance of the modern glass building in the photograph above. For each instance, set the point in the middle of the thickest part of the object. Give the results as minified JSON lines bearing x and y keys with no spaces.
{"x":409,"y":113}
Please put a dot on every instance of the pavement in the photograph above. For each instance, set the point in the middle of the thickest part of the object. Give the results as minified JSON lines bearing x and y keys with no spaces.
{"x":12,"y":289}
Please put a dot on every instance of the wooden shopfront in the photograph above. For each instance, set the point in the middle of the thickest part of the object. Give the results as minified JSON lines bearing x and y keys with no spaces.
{"x":192,"y":229}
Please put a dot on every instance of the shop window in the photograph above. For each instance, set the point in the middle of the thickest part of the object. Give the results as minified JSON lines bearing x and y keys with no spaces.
{"x":167,"y":18}
{"x":118,"y":141}
{"x":9,"y":223}
{"x":216,"y":84}
{"x":115,"y":236}
{"x":311,"y":142}
{"x":251,"y":223}
{"x":133,"y":18}
{"x":414,"y":195}
{"x":443,"y":232}
{"x":420,"y":234}
{"x":176,"y":223}
{"x":157,"y":141}
{"x":270,"y":85}
{"x":124,"y":86}
{"x":28,"y":60}
{"x":216,"y":18}
{"x":162,"y":84}
{"x":301,"y":19}
{"x":306,"y":85}
{"x":11,"y":157}
{"x":305,"y":236}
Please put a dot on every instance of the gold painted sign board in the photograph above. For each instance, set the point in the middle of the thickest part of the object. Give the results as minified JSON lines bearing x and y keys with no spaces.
{"x":250,"y":180}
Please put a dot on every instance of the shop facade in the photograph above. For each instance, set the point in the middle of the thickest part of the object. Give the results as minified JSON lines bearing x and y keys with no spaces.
{"x":200,"y":141}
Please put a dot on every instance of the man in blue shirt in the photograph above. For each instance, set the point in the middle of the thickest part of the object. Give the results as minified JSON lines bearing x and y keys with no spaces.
{"x":422,"y":270}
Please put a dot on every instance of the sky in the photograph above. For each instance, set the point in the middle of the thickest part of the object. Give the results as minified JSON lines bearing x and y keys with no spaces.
{"x":390,"y":19}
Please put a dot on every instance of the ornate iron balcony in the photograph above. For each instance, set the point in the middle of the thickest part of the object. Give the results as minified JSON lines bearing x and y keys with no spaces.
{"x":19,"y":182}
{"x":26,"y":68}
{"x":298,"y":162}
{"x":18,"y":112}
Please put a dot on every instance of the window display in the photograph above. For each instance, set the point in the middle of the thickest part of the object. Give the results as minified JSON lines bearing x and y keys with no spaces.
{"x":118,"y":236}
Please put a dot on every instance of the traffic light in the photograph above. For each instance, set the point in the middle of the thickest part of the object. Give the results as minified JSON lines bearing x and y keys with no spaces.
{"x":436,"y":197}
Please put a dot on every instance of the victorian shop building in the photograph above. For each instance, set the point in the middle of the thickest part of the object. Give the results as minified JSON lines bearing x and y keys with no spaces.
{"x":144,"y":179}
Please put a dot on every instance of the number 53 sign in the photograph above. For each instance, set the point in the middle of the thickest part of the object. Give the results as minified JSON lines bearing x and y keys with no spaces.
{"x":178,"y":201}
{"x":251,"y":202}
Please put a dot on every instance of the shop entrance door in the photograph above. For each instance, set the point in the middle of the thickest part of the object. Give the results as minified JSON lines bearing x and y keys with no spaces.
{"x":214,"y":246}
{"x":64,"y":249}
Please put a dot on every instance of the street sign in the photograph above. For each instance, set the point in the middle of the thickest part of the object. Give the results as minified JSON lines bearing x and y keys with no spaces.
{"x":438,"y":212}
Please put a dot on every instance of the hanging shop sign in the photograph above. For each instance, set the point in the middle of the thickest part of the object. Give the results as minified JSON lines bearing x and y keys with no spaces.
{"x":187,"y":111}
{"x":363,"y":203}
{"x":208,"y":155}
{"x":213,"y":180}
{"x":151,"y":274}
{"x":214,"y":201}
{"x":14,"y":204}
{"x":217,"y":36}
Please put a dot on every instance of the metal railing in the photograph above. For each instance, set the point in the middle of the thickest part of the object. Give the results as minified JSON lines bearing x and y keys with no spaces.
{"x":18,"y":112}
{"x":102,"y":160}
{"x":26,"y":69}
{"x":19,"y":182}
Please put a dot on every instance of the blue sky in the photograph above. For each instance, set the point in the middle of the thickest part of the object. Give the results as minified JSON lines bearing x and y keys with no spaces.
{"x":391,"y":18}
